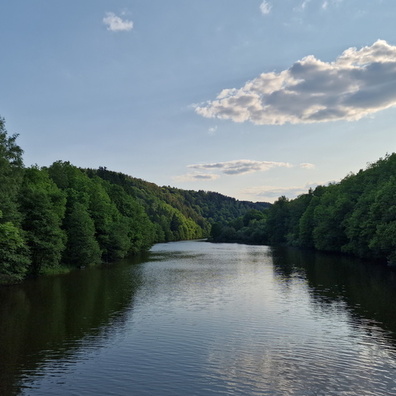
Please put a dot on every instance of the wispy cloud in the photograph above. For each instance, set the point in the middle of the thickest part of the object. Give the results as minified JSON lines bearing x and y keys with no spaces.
{"x":212,"y":130}
{"x":196,"y":177}
{"x":272,"y":192}
{"x":358,"y":83}
{"x":265,"y":7}
{"x":301,"y":6}
{"x":327,"y":3}
{"x":240,"y":167}
{"x":115,"y":23}
{"x":212,"y":171}
{"x":307,"y":165}
{"x":324,"y":5}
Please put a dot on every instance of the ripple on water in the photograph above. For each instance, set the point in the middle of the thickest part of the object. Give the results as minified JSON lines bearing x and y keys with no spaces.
{"x":220,"y":320}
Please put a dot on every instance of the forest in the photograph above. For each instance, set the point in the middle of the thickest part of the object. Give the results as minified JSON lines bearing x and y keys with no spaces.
{"x":60,"y":217}
{"x":355,"y":216}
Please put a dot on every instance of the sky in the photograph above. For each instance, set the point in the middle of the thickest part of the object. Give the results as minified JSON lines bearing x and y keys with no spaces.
{"x":249,"y":98}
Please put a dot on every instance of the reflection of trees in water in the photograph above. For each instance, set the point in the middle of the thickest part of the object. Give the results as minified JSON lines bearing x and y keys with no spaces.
{"x":50,"y":318}
{"x":367,"y":291}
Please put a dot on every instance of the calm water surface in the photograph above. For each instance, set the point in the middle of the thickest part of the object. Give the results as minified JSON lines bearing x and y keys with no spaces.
{"x":194,"y":318}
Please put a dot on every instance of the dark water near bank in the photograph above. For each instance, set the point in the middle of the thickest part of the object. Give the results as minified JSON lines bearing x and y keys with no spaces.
{"x":194,"y":318}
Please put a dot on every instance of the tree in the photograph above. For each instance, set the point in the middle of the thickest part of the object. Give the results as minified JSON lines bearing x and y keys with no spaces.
{"x":11,"y":171}
{"x":383,"y":212}
{"x":140,"y":231}
{"x":306,"y":224}
{"x":329,"y":215}
{"x":13,"y":251}
{"x":278,"y":221}
{"x":106,"y":219}
{"x":14,"y":258}
{"x":360,"y":226}
{"x":297,"y":208}
{"x":82,"y":249}
{"x":216,"y":231}
{"x":43,"y":206}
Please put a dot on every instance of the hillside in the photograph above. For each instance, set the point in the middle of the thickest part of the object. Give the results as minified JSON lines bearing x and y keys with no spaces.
{"x":61,"y":216}
{"x":198,"y":205}
{"x":356,"y":216}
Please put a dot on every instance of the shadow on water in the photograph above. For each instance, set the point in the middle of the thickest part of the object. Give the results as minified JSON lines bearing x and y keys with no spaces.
{"x":366,"y":290}
{"x":49,"y":318}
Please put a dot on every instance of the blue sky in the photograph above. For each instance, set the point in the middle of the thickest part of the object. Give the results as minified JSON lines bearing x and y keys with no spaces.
{"x":252,"y":99}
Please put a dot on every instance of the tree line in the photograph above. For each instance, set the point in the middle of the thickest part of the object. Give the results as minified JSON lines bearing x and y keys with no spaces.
{"x":60,"y":217}
{"x":356,"y":216}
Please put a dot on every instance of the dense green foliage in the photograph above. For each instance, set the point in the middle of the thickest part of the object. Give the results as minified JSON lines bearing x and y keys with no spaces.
{"x":42,"y":206}
{"x":355,"y":216}
{"x":203,"y":207}
{"x":61,"y":217}
{"x":14,"y":256}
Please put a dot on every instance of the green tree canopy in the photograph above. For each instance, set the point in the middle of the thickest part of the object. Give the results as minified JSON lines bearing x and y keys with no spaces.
{"x":43,"y":207}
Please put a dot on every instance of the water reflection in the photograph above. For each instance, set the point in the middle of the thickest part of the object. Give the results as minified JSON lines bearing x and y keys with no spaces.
{"x":49,"y":318}
{"x":207,"y":319}
{"x":365,"y":289}
{"x":324,"y":335}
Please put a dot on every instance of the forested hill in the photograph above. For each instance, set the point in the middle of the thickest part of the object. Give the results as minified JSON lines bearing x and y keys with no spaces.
{"x":355,"y":216}
{"x":61,"y":217}
{"x":212,"y":206}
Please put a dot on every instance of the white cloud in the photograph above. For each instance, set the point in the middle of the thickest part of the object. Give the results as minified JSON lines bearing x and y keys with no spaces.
{"x":239,"y":167}
{"x":116,"y":24}
{"x":196,"y":177}
{"x":358,"y":83}
{"x":327,"y":3}
{"x":265,"y":7}
{"x":301,"y":6}
{"x":270,"y":193}
{"x":307,"y":165}
{"x":212,"y":130}
{"x":212,"y":171}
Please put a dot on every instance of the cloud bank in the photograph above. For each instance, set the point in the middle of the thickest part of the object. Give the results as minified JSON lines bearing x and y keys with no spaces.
{"x":116,"y":24}
{"x":358,"y":83}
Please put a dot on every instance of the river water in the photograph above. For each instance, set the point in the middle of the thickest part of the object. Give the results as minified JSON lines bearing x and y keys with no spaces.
{"x":194,"y":318}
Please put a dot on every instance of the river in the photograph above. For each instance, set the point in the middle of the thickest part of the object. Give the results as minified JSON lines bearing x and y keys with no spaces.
{"x":194,"y":318}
